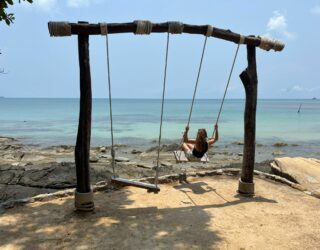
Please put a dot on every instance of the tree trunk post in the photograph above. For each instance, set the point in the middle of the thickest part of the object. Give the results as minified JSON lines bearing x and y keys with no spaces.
{"x":83,"y":193}
{"x":249,"y":79}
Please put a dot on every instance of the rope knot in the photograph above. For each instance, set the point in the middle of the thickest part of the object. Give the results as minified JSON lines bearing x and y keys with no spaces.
{"x":241,"y":39}
{"x":175,"y":27}
{"x":144,"y":27}
{"x":209,"y":30}
{"x":59,"y":28}
{"x":103,"y":29}
{"x":267,"y":44}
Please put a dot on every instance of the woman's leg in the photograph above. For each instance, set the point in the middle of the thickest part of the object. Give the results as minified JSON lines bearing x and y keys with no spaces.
{"x":186,"y":147}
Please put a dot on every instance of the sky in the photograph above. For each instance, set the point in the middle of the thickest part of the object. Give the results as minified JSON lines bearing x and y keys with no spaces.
{"x":37,"y":65}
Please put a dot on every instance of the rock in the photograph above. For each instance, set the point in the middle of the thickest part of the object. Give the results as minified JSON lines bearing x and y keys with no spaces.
{"x":130,"y":163}
{"x":277,"y":152}
{"x":102,"y":149}
{"x":94,"y":159}
{"x":134,"y":151}
{"x":13,"y":192}
{"x":238,"y":142}
{"x":32,"y":157}
{"x":55,"y":176}
{"x":164,"y":148}
{"x":304,"y":171}
{"x":316,"y":194}
{"x":108,"y":157}
{"x":299,"y":187}
{"x":170,"y":147}
{"x":151,"y":149}
{"x":166,"y":164}
{"x":143,"y":165}
{"x":121,"y":159}
{"x":23,"y":164}
{"x":280,"y":144}
{"x":6,"y":139}
{"x":6,"y":177}
{"x":240,"y":154}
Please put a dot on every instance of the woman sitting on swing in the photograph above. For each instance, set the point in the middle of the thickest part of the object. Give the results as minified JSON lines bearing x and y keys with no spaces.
{"x":195,"y":149}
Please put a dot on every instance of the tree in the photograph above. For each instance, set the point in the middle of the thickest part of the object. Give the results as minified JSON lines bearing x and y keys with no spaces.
{"x":8,"y":17}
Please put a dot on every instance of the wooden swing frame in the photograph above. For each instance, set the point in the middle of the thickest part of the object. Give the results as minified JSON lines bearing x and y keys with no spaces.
{"x":83,"y":195}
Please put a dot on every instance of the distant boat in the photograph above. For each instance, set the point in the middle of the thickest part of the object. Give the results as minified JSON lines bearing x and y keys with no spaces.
{"x":314,"y":98}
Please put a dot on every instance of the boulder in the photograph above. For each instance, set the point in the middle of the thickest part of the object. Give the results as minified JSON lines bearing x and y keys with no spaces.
{"x":304,"y":171}
{"x":94,"y":159}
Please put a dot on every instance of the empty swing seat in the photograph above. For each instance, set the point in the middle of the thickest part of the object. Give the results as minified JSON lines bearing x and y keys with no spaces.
{"x":181,"y":157}
{"x":152,"y":188}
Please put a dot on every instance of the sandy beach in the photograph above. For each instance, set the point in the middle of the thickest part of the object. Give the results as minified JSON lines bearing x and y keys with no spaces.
{"x":205,"y":213}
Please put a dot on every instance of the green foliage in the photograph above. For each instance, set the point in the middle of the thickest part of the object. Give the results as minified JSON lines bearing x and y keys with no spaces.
{"x":8,"y":17}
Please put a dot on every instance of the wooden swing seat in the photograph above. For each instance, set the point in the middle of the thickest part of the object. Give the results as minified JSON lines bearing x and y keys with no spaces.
{"x":181,"y":157}
{"x":152,"y":188}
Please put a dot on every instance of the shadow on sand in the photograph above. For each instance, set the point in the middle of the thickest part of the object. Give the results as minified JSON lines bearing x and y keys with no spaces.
{"x":117,"y":223}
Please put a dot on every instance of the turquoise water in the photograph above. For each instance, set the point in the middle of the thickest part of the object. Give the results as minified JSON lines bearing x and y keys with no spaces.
{"x":136,"y":121}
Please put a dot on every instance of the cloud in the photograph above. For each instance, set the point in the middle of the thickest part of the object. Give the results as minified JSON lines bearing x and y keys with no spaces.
{"x":315,"y":10}
{"x":277,"y":26}
{"x":298,"y":88}
{"x":78,"y":3}
{"x":46,"y":5}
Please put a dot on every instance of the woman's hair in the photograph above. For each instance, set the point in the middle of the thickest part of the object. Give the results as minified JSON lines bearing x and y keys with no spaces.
{"x":201,"y":140}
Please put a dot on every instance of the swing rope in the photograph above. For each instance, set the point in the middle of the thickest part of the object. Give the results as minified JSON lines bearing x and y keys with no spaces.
{"x":198,"y":76}
{"x":162,"y":105}
{"x":209,"y":32}
{"x":104,"y":30}
{"x":226,"y":89}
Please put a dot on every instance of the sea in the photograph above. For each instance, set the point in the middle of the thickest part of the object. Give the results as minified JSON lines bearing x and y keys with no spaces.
{"x":54,"y":121}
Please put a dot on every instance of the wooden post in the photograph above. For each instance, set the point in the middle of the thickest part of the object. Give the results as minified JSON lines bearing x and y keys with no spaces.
{"x":250,"y":82}
{"x":83,"y":194}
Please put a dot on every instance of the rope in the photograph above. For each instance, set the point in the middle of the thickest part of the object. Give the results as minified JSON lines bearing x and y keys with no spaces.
{"x":198,"y":76}
{"x":144,"y":27}
{"x":175,"y":27}
{"x":267,"y":44}
{"x":209,"y":30}
{"x":104,"y":31}
{"x":59,"y":28}
{"x":241,"y":39}
{"x":209,"y":33}
{"x":162,"y":104}
{"x":225,"y":91}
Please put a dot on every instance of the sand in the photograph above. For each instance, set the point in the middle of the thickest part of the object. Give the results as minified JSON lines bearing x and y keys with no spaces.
{"x":204,"y":214}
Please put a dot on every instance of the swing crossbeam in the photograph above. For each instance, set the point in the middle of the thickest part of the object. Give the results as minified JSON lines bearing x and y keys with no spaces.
{"x":131,"y":27}
{"x":152,"y":188}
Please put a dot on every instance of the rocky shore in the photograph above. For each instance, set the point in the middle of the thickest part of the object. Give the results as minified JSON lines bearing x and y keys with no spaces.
{"x":28,"y":170}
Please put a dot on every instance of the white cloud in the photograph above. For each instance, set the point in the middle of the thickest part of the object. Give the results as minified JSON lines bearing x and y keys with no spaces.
{"x":277,"y":26}
{"x":78,"y":3}
{"x":46,"y":5}
{"x":316,"y":10}
{"x":298,"y":88}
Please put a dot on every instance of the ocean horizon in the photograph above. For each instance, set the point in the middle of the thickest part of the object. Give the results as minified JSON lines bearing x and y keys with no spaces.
{"x":53,"y":121}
